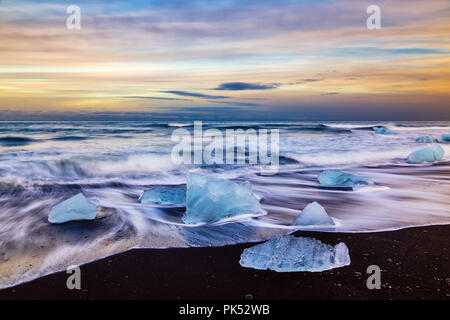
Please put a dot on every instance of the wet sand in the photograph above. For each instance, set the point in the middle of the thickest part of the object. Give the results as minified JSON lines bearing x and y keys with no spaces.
{"x":415,"y":264}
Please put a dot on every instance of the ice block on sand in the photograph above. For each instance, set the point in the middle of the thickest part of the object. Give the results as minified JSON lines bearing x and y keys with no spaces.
{"x":164,"y":196}
{"x":289,"y":254}
{"x":430,"y":153}
{"x":211,"y":199}
{"x":333,"y":178}
{"x":72,"y":209}
{"x":313,"y":214}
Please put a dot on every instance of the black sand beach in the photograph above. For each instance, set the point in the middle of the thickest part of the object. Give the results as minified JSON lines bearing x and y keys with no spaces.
{"x":415,"y":265}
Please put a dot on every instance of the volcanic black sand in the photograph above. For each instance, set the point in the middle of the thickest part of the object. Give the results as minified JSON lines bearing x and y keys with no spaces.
{"x":414,"y":262}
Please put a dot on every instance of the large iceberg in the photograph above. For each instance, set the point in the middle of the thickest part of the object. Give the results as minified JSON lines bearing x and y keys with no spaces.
{"x":382,"y":130}
{"x":445,"y":137}
{"x":72,"y":209}
{"x":164,"y":196}
{"x":313,"y":214}
{"x":289,"y":254}
{"x":333,"y":178}
{"x":426,"y":139}
{"x":430,"y":153}
{"x":212,"y":199}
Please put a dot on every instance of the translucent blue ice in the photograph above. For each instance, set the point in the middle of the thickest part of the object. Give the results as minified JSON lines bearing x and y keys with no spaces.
{"x":333,"y":178}
{"x":290,"y":254}
{"x":430,"y":153}
{"x":164,"y":195}
{"x":426,"y":139}
{"x":213,"y":199}
{"x":72,"y":209}
{"x":313,"y":214}
{"x":382,"y":130}
{"x":445,"y":137}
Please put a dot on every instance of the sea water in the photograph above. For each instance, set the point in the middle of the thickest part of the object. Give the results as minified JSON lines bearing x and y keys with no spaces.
{"x":44,"y":163}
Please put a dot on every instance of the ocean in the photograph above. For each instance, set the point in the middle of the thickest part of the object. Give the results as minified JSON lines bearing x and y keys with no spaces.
{"x":44,"y":163}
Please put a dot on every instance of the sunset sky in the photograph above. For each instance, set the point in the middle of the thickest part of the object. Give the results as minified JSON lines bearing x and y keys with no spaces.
{"x":225,"y":59}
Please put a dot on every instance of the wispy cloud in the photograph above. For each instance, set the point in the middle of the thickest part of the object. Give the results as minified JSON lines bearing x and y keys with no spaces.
{"x":194,"y":94}
{"x":307,"y":80}
{"x":330,"y":94}
{"x":241,"y":104}
{"x":240,"y":86}
{"x":156,"y":98}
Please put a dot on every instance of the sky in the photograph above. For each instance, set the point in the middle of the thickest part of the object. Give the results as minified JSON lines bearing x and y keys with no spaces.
{"x":225,"y":60}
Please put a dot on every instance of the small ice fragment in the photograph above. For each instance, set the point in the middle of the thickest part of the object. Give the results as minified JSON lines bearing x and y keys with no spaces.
{"x":382,"y":130}
{"x":291,"y":254}
{"x":213,"y":199}
{"x":426,"y":139}
{"x":430,"y":153}
{"x":164,"y":196}
{"x":313,"y":214}
{"x":72,"y":209}
{"x":333,"y":178}
{"x":445,"y":137}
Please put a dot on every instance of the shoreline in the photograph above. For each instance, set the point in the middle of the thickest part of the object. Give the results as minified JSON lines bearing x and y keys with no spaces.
{"x":414,"y":264}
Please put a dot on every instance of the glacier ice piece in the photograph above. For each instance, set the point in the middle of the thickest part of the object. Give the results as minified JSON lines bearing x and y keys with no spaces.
{"x":165,"y":195}
{"x":313,"y":214}
{"x":445,"y":137}
{"x":431,"y":153}
{"x":333,"y":178}
{"x":426,"y":139}
{"x":291,"y":254}
{"x":211,"y":199}
{"x":72,"y":209}
{"x":382,"y":130}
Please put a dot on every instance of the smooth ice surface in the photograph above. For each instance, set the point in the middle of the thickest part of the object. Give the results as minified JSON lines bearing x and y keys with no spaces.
{"x":333,"y":178}
{"x":426,"y":139}
{"x":164,"y":196}
{"x":381,"y":130}
{"x":430,"y":153}
{"x":213,"y":199}
{"x":313,"y":214}
{"x":72,"y":209}
{"x":289,"y":254}
{"x":445,"y":137}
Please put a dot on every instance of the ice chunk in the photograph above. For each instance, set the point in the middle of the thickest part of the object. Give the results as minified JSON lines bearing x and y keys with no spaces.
{"x":289,"y":254}
{"x":75,"y":208}
{"x":164,"y":196}
{"x":445,"y":137}
{"x":382,"y":130}
{"x":333,"y":178}
{"x":213,"y":199}
{"x":430,"y":153}
{"x":313,"y":214}
{"x":426,"y":139}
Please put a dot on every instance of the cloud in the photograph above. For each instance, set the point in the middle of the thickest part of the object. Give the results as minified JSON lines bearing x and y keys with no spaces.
{"x":307,"y":80}
{"x":239,"y":86}
{"x":193,"y":94}
{"x":156,"y":98}
{"x":240,"y":104}
{"x":330,"y":94}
